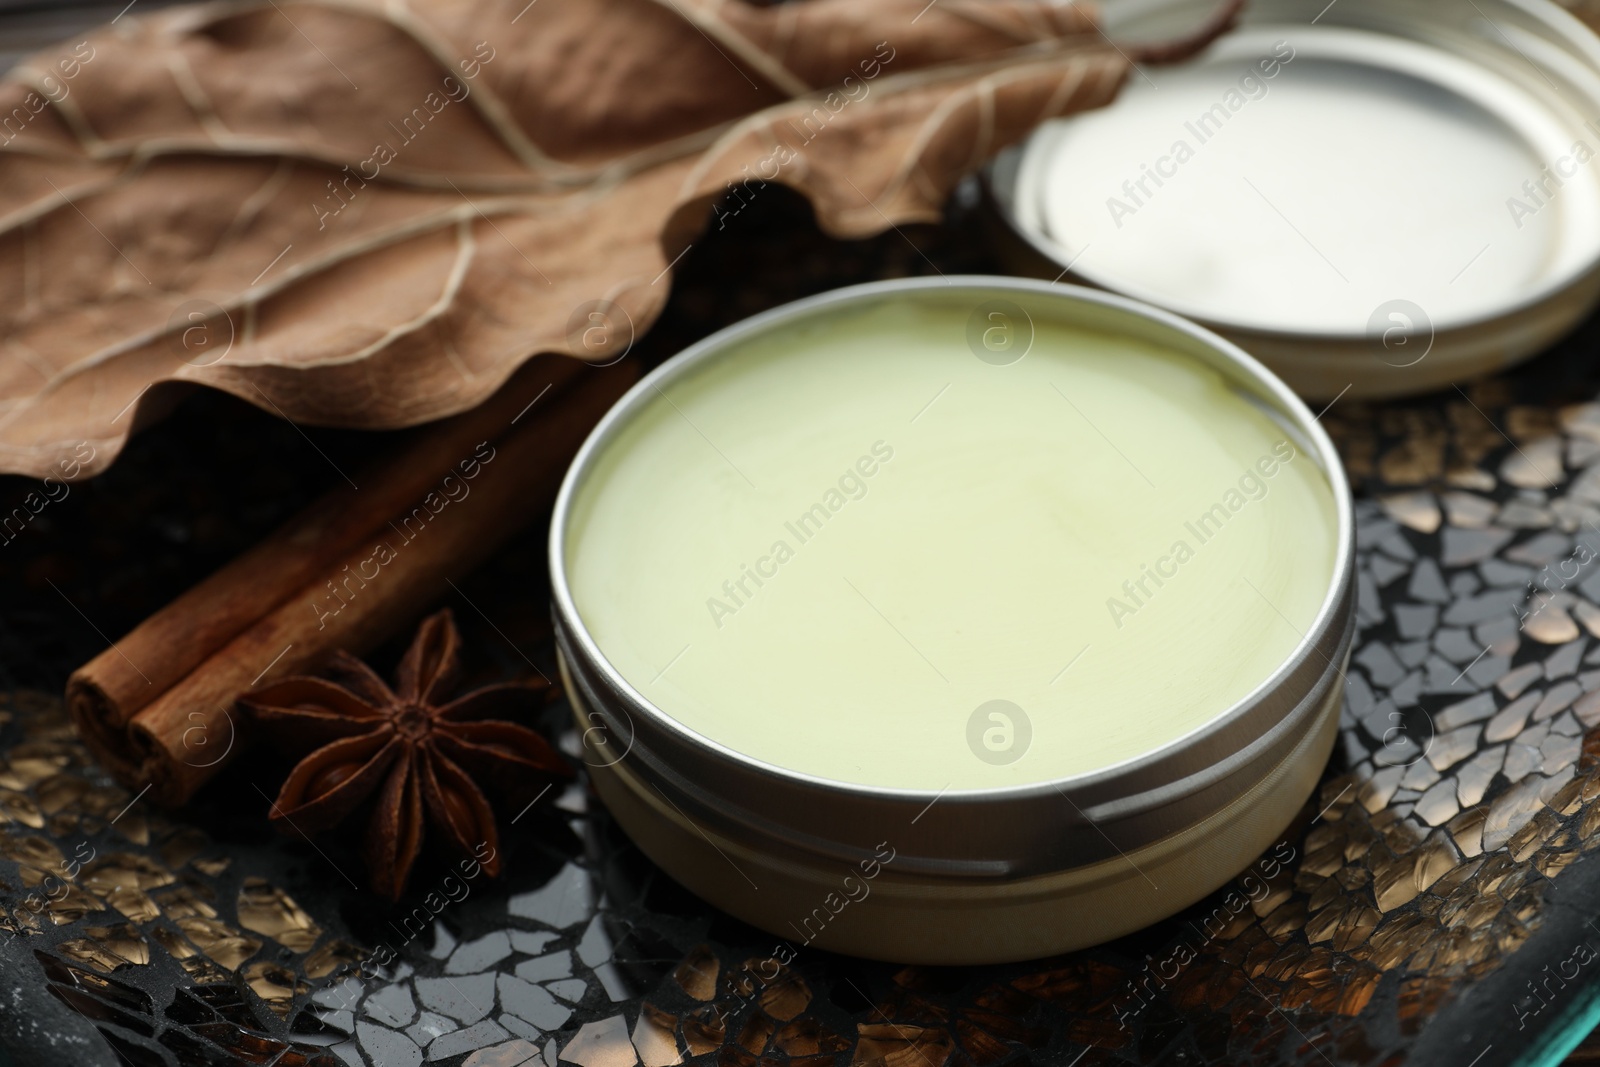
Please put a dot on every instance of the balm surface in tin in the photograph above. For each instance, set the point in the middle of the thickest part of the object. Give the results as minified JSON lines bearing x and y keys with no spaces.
{"x":1385,"y":196}
{"x":1010,"y":615}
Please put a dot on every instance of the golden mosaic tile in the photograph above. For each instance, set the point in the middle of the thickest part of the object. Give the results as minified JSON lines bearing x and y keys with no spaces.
{"x":266,"y":909}
{"x":697,"y":974}
{"x":29,"y":764}
{"x":1551,"y":864}
{"x":892,"y":1045}
{"x":785,"y":996}
{"x":107,"y":948}
{"x":202,"y":971}
{"x":1419,"y":511}
{"x":755,"y":1033}
{"x":185,"y":901}
{"x":1552,"y":626}
{"x":275,"y":984}
{"x":126,"y":870}
{"x":1536,"y":464}
{"x":225,"y":945}
{"x":655,"y":1037}
{"x":64,"y":793}
{"x":19,"y":808}
{"x":31,"y":850}
{"x":67,"y":904}
{"x":134,"y":827}
{"x":133,"y":904}
{"x":704,"y":1030}
{"x":213,"y":866}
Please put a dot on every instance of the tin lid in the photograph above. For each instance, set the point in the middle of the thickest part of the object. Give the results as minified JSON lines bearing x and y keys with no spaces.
{"x":1375,"y":178}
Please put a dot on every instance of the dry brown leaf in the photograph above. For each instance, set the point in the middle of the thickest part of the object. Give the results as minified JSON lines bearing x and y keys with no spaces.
{"x":368,"y":213}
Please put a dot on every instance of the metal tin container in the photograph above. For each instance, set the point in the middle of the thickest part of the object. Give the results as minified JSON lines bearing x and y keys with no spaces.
{"x":965,"y":875}
{"x":1374,"y":196}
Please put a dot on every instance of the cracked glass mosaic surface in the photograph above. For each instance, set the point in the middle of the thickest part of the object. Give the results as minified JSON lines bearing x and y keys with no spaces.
{"x":1446,"y":838}
{"x":1437,"y":908}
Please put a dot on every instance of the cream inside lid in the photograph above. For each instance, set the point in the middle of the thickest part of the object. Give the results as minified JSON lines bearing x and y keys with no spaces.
{"x":834,"y":545}
{"x":1309,"y":178}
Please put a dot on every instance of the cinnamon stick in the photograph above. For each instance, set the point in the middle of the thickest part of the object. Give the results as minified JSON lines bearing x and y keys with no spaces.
{"x":157,"y":707}
{"x":109,"y":690}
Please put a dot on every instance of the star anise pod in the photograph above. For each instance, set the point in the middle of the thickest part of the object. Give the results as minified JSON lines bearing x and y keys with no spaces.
{"x":405,"y":747}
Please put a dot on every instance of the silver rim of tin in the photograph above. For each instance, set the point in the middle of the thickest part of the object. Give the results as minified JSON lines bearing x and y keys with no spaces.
{"x":1394,"y":16}
{"x":1005,"y":833}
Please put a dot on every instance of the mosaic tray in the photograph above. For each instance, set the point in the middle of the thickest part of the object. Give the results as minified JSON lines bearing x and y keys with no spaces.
{"x":1435,"y":903}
